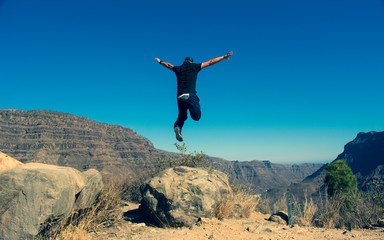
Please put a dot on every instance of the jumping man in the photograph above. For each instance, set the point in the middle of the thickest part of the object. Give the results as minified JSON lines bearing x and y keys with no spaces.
{"x":186,"y":89}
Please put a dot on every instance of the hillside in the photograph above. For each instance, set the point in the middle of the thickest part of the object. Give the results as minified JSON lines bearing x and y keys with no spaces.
{"x":69,"y":140}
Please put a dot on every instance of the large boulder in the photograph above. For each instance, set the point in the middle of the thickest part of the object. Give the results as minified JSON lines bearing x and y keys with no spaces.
{"x":32,"y":193}
{"x":179,"y":196}
{"x":7,"y":162}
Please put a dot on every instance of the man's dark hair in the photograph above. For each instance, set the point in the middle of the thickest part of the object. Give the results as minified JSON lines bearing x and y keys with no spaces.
{"x":189,"y":59}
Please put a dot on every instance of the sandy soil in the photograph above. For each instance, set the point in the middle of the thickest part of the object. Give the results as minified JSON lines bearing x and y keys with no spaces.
{"x":255,"y":227}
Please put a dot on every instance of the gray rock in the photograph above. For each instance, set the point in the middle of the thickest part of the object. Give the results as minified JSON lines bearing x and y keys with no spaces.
{"x":32,"y":193}
{"x":279,"y":217}
{"x":180,"y":196}
{"x":92,"y":188}
{"x":254,"y":229}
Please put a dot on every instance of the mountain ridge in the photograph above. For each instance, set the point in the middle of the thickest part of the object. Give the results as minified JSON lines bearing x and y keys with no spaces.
{"x":75,"y":141}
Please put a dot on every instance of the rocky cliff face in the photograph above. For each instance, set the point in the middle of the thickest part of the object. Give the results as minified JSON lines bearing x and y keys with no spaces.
{"x":73,"y":141}
{"x":365,"y":156}
{"x":68,"y":140}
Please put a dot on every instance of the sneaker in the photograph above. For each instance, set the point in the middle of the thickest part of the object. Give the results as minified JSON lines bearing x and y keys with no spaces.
{"x":179,"y":137}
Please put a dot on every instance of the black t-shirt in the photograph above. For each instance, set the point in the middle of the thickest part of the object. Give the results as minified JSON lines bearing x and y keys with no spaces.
{"x":186,"y":77}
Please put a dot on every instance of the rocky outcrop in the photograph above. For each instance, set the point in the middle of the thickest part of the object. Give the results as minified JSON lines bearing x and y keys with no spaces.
{"x":180,"y":196}
{"x":7,"y":162}
{"x":32,"y":193}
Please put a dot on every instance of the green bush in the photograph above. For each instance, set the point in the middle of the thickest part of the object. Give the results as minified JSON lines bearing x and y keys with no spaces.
{"x":339,"y":178}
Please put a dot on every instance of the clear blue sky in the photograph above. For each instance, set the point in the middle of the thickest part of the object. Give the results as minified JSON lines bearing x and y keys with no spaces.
{"x":304,"y":79}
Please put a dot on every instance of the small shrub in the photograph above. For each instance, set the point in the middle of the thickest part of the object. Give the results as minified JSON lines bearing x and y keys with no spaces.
{"x":191,"y":159}
{"x":328,"y":214}
{"x":248,"y":203}
{"x":225,"y":208}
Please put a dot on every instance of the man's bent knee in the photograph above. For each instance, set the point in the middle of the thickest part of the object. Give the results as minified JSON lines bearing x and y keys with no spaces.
{"x":196,"y":117}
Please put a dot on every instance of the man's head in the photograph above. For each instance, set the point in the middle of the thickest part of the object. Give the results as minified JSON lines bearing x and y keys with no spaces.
{"x":189,"y":59}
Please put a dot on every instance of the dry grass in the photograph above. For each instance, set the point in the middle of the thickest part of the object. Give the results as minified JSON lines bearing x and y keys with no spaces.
{"x":73,"y":233}
{"x":247,"y":202}
{"x":304,"y":212}
{"x":280,"y":205}
{"x":352,"y":211}
{"x":329,"y":211}
{"x":225,"y":208}
{"x":239,"y":205}
{"x":104,"y":213}
{"x":369,"y":208}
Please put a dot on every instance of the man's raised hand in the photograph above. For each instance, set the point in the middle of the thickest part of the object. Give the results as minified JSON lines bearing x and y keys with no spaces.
{"x":228,"y":54}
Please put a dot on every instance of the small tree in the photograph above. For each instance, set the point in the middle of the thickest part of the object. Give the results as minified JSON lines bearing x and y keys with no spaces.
{"x":339,"y":178}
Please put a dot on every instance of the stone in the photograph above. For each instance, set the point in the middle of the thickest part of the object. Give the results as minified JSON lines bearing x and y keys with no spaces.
{"x":254,"y":229}
{"x":7,"y":162}
{"x":180,"y":196}
{"x":280,"y":217}
{"x":32,"y":193}
{"x":92,"y":188}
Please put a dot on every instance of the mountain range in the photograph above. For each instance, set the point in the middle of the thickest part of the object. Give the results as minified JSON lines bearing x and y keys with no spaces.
{"x":68,"y":140}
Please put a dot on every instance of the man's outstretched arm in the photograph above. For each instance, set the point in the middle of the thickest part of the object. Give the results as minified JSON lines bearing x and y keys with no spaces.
{"x":215,"y":60}
{"x":165,"y":64}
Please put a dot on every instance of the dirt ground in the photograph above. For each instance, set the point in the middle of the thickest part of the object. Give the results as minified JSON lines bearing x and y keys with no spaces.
{"x":255,"y":227}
